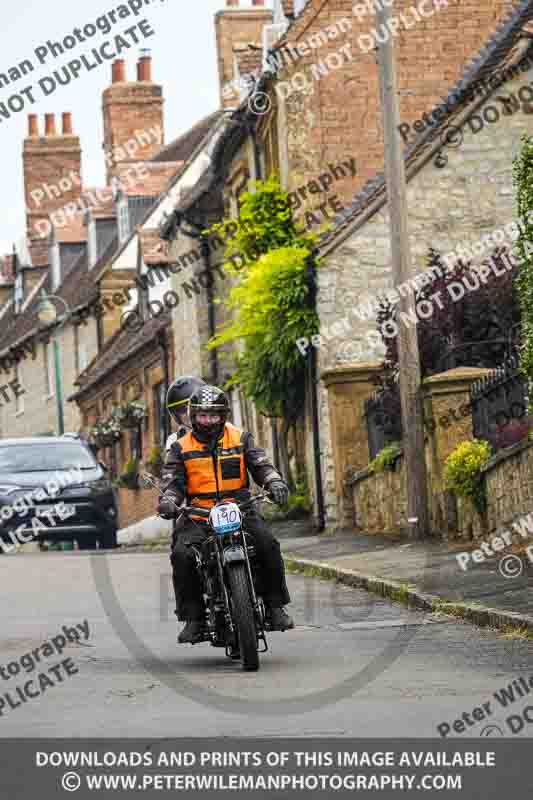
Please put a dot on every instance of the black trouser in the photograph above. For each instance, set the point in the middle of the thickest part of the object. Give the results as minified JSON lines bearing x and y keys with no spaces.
{"x":271,"y":570}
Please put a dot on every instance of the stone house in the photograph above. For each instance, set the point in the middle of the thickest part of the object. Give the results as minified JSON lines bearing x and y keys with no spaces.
{"x":72,"y":232}
{"x":320,"y":129}
{"x":461,"y":202}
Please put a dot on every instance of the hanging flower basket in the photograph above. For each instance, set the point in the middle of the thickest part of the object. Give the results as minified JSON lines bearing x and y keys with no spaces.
{"x":130,"y":415}
{"x":105,"y":433}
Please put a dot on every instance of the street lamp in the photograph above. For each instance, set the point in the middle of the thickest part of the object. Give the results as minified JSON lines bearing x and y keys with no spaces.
{"x":48,"y":315}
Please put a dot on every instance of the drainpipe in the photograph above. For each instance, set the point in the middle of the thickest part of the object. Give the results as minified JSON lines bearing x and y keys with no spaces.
{"x":259,"y":177}
{"x":313,"y":388}
{"x":163,"y":346}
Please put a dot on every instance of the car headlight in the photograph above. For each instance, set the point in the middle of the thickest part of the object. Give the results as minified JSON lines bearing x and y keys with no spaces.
{"x":100,"y":485}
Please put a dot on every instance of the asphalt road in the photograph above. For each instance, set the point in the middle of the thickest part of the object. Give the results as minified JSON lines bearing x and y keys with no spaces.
{"x":355,"y":665}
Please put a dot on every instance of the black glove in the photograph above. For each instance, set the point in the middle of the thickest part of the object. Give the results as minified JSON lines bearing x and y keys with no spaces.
{"x":167,"y":509}
{"x":279,"y":491}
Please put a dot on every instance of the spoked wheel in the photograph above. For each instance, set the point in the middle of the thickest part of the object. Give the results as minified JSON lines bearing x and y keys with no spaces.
{"x":243,"y":615}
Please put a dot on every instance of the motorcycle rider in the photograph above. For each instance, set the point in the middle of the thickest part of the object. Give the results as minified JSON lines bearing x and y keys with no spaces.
{"x":213,"y":461}
{"x":177,"y":405}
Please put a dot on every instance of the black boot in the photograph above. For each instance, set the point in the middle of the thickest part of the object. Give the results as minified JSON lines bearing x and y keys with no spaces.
{"x":279,"y":620}
{"x":193,"y":632}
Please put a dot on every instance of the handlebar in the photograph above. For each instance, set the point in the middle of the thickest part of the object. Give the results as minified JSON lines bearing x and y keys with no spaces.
{"x":206,"y":511}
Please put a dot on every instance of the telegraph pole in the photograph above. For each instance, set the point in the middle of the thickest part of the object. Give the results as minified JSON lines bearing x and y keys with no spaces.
{"x":409,"y":362}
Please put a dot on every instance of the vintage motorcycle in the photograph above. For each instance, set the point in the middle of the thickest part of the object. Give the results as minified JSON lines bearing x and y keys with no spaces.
{"x":225,"y":561}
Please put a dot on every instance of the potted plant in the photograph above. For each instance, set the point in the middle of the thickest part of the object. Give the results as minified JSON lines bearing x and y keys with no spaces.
{"x":104,"y":433}
{"x":130,"y":477}
{"x":130,"y":415}
{"x":154,"y":462}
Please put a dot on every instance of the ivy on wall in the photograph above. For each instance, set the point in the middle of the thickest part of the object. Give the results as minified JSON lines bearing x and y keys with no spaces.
{"x":523,"y":176}
{"x":271,"y":303}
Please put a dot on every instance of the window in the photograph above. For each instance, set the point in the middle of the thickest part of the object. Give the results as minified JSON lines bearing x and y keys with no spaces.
{"x":160,"y":411}
{"x":49,"y":371}
{"x":92,"y":243}
{"x":123,"y":220}
{"x":19,"y":292}
{"x":271,"y":148}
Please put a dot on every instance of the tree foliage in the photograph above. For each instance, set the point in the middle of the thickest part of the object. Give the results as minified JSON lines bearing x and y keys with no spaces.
{"x":470,"y":331}
{"x":271,"y":302}
{"x":523,"y":176}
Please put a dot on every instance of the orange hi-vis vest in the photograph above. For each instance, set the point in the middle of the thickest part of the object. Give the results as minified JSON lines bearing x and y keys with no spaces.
{"x":207,"y":473}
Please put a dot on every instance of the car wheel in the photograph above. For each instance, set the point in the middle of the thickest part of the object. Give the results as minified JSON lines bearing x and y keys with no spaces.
{"x":108,"y":539}
{"x":87,"y":541}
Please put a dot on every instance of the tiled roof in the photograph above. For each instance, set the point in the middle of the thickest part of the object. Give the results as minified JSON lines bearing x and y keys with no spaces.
{"x":80,"y":286}
{"x":119,"y":348}
{"x":502,"y":48}
{"x":182,"y":148}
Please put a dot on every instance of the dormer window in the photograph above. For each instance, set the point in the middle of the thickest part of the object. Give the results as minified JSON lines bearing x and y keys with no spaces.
{"x":19,"y":292}
{"x":123,"y":219}
{"x":92,"y":242}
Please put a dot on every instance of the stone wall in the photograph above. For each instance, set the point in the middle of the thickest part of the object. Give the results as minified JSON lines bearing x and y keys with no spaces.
{"x":449,"y":207}
{"x":509,"y":485}
{"x":381,"y":504}
{"x":380,"y":499}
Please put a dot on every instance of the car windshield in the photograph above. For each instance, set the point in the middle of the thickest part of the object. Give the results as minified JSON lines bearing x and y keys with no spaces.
{"x":43,"y":457}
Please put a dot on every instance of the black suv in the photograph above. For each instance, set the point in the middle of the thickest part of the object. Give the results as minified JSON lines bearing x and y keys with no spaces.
{"x":53,"y":488}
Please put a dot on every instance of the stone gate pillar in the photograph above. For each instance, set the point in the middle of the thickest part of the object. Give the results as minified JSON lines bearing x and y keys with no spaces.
{"x":348,"y":387}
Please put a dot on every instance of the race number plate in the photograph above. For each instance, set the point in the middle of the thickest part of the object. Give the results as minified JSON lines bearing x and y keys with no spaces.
{"x":225,"y":518}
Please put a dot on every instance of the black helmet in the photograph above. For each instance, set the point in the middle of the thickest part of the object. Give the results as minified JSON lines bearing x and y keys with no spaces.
{"x":178,"y":395}
{"x":208,"y":400}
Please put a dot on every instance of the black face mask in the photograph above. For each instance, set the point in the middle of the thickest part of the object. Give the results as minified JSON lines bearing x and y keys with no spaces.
{"x":208,"y":434}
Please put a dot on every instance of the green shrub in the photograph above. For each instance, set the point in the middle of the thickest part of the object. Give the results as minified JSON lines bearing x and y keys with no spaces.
{"x":386,"y":458}
{"x":463,"y":471}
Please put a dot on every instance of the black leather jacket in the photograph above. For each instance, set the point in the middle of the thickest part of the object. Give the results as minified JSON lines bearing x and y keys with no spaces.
{"x":257,"y":463}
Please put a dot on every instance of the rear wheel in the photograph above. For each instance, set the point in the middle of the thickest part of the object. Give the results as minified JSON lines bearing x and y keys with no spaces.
{"x":243,"y":616}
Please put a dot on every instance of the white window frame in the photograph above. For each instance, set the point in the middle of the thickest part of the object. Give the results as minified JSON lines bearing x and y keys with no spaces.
{"x":19,"y":292}
{"x":92,"y":243}
{"x":123,"y":219}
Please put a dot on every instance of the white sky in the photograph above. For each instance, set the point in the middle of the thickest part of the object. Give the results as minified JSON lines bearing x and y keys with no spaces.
{"x":184,"y":62}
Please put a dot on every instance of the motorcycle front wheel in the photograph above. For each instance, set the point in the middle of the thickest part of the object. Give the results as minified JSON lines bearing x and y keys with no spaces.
{"x":243,"y":616}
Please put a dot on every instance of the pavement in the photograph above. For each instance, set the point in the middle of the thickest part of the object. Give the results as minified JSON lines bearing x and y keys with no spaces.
{"x":425,"y":575}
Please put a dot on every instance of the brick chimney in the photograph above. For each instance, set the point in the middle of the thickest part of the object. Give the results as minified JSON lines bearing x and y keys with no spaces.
{"x":238,"y":24}
{"x":52,"y":170}
{"x":133,"y":115}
